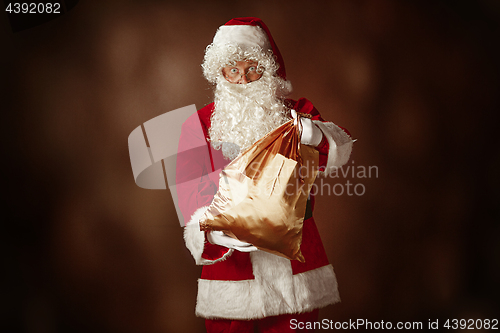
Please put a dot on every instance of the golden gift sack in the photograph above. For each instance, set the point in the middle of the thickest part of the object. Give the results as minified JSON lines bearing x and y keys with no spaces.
{"x":263,"y":193}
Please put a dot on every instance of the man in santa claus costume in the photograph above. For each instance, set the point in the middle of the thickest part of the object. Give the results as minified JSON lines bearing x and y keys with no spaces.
{"x":242,"y":288}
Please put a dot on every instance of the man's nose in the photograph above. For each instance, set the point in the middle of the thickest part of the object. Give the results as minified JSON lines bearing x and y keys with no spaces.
{"x":243,"y":79}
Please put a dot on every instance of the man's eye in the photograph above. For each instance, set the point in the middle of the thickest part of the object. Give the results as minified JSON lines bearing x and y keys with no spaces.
{"x":252,"y":69}
{"x":234,"y":70}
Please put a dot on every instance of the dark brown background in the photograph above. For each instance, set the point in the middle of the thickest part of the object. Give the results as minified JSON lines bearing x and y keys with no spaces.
{"x":86,"y":250}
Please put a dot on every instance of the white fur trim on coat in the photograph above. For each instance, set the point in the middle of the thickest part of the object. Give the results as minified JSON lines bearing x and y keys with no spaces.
{"x":340,"y":145}
{"x":274,"y":291}
{"x":195,"y":239}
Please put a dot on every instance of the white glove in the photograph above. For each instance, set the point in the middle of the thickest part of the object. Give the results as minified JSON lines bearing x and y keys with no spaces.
{"x":220,"y":238}
{"x":310,"y":135}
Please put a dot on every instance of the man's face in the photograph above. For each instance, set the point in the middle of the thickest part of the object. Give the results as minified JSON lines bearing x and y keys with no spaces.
{"x":242,"y":72}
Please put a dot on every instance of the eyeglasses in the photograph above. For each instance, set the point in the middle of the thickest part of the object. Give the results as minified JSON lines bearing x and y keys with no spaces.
{"x":242,"y":72}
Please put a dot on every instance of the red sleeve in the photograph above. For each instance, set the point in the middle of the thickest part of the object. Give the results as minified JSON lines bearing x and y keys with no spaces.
{"x":213,"y":251}
{"x":196,"y":179}
{"x":195,"y":183}
{"x":323,"y":148}
{"x":305,"y":106}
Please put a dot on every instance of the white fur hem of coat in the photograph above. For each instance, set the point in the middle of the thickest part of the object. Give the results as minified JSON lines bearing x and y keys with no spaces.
{"x":251,"y":299}
{"x":340,"y":145}
{"x":195,"y":239}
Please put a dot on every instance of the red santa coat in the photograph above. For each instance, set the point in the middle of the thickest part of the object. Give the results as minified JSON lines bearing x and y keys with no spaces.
{"x":240,"y":285}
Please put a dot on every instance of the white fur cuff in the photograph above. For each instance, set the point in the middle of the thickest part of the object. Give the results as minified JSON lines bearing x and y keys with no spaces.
{"x":195,"y":239}
{"x":340,"y":145}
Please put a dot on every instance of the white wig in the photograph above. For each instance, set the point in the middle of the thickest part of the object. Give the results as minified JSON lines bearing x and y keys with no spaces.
{"x":239,"y":43}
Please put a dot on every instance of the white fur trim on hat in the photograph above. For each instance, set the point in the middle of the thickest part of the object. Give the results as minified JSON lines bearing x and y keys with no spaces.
{"x":245,"y":36}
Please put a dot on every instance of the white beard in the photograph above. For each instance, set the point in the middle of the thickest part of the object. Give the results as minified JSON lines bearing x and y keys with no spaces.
{"x":244,"y":113}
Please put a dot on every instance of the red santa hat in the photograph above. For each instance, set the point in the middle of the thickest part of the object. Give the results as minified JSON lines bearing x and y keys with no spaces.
{"x":249,"y":36}
{"x":250,"y":32}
